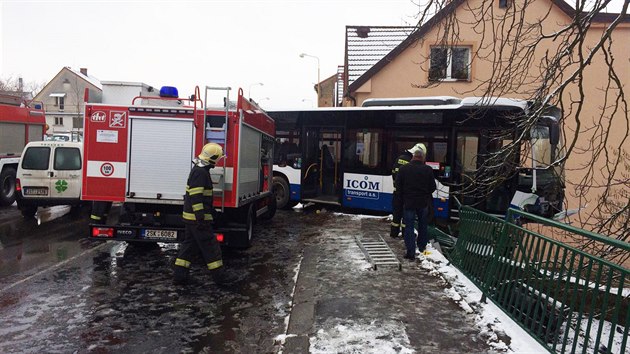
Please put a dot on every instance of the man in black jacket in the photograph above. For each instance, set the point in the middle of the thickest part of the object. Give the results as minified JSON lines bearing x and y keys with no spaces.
{"x":397,"y":202}
{"x":416,"y":184}
{"x":198,"y":215}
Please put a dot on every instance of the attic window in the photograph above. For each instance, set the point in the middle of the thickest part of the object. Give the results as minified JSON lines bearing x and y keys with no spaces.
{"x":504,"y":4}
{"x":450,"y":64}
{"x":362,"y":32}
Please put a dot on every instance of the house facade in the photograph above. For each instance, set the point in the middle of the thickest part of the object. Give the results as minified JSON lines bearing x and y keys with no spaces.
{"x":430,"y":63}
{"x":63,"y":99}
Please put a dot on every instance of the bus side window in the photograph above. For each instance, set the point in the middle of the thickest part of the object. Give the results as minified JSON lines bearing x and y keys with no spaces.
{"x":439,"y":151}
{"x":363,"y":149}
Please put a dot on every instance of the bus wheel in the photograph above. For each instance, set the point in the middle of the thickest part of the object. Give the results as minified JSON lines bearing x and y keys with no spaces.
{"x":283,"y":193}
{"x":7,"y":186}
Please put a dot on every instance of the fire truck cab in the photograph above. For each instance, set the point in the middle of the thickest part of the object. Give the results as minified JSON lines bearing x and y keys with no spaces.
{"x":139,"y":157}
{"x":20,"y":123}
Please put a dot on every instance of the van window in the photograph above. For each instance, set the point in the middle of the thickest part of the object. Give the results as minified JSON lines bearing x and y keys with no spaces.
{"x":67,"y":159}
{"x":36,"y":158}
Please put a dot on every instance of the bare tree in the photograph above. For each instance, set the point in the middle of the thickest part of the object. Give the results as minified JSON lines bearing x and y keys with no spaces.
{"x":12,"y":84}
{"x":547,"y":63}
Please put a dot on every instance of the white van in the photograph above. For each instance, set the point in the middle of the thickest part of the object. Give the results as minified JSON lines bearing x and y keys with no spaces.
{"x":49,"y":173}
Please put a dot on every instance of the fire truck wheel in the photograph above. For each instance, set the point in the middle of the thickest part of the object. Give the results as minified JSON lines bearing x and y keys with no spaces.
{"x":248,"y":219}
{"x":271,"y":208}
{"x":7,"y":186}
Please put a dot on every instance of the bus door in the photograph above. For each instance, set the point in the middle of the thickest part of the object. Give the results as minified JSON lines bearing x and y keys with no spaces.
{"x":436,"y":142}
{"x":472,"y":148}
{"x":465,"y":167}
{"x":498,"y":201}
{"x":321,"y":170}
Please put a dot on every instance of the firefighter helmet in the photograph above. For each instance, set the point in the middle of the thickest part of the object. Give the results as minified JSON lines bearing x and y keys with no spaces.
{"x":418,"y":146}
{"x":210,"y":154}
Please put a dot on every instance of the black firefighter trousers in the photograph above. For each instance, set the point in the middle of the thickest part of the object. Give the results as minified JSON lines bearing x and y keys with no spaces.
{"x":199,"y":240}
{"x":397,"y":214}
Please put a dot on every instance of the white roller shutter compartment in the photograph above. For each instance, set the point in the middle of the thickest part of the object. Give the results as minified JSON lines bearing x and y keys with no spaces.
{"x":160,"y":157}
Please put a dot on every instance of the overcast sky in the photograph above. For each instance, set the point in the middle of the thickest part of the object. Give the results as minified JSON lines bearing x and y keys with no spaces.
{"x":236,"y":43}
{"x":186,"y":43}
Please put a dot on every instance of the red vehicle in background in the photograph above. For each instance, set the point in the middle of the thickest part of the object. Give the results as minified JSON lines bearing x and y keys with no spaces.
{"x":139,"y":156}
{"x":21,"y":122}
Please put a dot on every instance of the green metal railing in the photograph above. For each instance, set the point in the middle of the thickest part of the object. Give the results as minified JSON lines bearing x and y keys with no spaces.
{"x":570,"y":300}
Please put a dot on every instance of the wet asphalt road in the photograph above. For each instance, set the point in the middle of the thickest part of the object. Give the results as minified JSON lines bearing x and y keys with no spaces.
{"x":59,"y":293}
{"x":62,"y":293}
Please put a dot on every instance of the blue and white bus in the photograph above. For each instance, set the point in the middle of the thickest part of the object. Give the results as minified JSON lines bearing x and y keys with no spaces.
{"x":343,"y":156}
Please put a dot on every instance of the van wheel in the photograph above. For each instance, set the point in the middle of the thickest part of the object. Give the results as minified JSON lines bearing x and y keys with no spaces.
{"x":7,"y":186}
{"x":28,"y":211}
{"x":80,"y":209}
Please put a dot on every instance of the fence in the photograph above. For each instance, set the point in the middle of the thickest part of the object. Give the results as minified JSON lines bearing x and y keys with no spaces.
{"x":570,"y":300}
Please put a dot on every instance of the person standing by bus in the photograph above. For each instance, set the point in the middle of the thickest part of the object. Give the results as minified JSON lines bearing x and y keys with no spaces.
{"x":416,"y":184}
{"x":397,"y":202}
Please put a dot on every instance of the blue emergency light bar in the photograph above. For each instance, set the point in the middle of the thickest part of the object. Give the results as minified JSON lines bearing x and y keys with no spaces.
{"x":169,"y":91}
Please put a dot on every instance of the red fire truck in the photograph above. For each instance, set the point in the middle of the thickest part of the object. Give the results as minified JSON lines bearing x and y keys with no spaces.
{"x":20,"y":123}
{"x":140,"y":155}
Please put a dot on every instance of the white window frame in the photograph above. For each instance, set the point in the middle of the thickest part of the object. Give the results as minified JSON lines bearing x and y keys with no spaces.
{"x":58,"y":120}
{"x":449,"y":63}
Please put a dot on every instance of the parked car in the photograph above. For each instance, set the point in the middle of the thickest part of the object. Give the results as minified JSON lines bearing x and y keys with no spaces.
{"x":49,"y":174}
{"x":72,"y":136}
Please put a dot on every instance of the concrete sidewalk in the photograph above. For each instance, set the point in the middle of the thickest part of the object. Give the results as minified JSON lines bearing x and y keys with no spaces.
{"x":341,"y":305}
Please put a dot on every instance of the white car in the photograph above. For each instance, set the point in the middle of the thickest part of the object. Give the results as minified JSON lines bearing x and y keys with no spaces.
{"x":49,"y":173}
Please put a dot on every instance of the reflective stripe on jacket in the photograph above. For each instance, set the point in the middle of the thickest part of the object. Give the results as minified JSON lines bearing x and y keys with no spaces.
{"x":198,"y":197}
{"x":402,"y":160}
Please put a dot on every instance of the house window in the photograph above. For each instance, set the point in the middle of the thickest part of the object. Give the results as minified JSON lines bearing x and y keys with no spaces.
{"x":77,"y":122}
{"x":58,"y":120}
{"x":450,"y":63}
{"x":59,"y":102}
{"x":59,"y":99}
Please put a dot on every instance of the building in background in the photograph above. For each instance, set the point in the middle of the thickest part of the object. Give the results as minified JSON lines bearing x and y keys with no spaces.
{"x":379,"y":63}
{"x":64,"y":100}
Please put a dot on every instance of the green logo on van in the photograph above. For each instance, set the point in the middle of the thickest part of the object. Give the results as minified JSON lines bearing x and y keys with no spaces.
{"x":61,"y":186}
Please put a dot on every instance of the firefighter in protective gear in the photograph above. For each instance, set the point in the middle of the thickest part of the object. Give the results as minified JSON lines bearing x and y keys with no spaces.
{"x":397,"y":202}
{"x":198,"y":216}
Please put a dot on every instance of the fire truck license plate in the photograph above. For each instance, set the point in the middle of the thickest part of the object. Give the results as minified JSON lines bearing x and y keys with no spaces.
{"x":170,"y":234}
{"x":35,"y":190}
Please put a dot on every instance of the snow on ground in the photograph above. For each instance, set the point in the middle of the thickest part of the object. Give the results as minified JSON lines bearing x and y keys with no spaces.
{"x":492,"y":322}
{"x":343,"y":336}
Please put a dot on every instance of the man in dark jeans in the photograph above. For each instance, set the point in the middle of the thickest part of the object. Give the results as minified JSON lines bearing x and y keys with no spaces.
{"x":397,"y":202}
{"x":416,"y":184}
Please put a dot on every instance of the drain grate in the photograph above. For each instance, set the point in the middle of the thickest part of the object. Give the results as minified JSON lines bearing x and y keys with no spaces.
{"x":378,"y":252}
